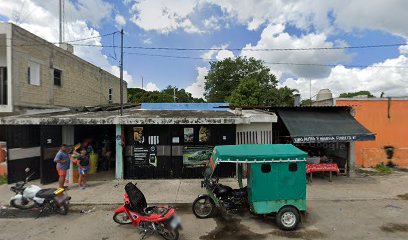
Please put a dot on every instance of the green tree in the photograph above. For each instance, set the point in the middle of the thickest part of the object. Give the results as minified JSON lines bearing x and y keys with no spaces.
{"x":250,"y":92}
{"x":137,"y":95}
{"x":225,"y":76}
{"x":354,"y":94}
{"x":306,"y":102}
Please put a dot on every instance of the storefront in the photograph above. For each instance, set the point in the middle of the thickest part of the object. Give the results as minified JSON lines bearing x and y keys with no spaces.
{"x":328,"y":134}
{"x":143,"y":143}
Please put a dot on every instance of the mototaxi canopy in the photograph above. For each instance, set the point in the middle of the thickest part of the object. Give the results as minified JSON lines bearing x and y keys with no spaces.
{"x":256,"y":153}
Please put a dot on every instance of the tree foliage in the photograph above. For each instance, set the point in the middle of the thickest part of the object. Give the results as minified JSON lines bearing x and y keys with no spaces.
{"x":354,"y":94}
{"x":245,"y":82}
{"x":225,"y":76}
{"x":138,"y":95}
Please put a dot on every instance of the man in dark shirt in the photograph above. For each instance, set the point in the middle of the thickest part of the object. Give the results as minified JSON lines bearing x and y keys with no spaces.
{"x":83,"y":168}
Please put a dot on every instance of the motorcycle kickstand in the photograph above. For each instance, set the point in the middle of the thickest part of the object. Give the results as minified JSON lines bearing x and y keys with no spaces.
{"x":146,"y":233}
{"x":40,"y":213}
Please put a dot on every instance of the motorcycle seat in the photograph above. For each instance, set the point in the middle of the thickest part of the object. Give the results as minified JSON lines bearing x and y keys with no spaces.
{"x":46,"y":193}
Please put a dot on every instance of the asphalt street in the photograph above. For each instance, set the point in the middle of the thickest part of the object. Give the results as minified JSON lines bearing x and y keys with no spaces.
{"x":350,"y":219}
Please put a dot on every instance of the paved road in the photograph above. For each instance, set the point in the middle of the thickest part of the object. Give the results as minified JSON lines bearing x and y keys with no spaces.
{"x":356,"y":219}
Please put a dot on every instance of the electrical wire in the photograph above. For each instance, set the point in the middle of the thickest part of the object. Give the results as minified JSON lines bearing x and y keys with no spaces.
{"x":219,"y":49}
{"x":271,"y":63}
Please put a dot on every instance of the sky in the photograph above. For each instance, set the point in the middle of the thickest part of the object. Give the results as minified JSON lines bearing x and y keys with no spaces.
{"x":234,"y":28}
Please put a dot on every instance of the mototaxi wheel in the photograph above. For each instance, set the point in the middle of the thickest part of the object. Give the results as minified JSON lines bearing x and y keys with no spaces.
{"x":168,"y":232}
{"x":288,"y":218}
{"x":122,"y":218}
{"x":203,"y":207}
{"x":23,"y":204}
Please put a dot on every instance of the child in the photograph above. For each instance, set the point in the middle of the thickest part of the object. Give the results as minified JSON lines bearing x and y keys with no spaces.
{"x":83,"y":168}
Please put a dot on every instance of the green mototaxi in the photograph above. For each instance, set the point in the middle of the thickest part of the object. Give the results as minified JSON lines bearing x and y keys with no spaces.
{"x":276,"y":182}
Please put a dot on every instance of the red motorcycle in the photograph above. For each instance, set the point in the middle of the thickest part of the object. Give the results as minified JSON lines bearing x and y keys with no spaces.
{"x":151,"y":219}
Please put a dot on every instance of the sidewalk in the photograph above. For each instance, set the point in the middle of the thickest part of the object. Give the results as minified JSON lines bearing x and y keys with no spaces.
{"x":181,"y":191}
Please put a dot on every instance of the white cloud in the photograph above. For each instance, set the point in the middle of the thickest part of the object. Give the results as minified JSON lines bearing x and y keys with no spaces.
{"x":151,"y":87}
{"x":223,"y":54}
{"x":273,"y":36}
{"x":84,"y":17}
{"x":164,"y":16}
{"x":326,"y":16}
{"x":147,"y":41}
{"x":115,"y":70}
{"x":197,"y":88}
{"x":120,"y":20}
{"x":217,"y":54}
{"x":391,"y":81}
{"x":212,"y":23}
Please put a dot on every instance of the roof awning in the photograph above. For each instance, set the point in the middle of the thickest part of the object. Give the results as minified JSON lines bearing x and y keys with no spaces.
{"x":313,"y":125}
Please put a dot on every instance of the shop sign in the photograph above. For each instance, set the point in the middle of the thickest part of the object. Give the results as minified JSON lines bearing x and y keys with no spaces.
{"x":145,"y":156}
{"x":196,"y":156}
{"x":311,"y":139}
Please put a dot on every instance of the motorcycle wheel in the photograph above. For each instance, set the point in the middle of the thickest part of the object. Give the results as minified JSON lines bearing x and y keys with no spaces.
{"x":22,"y":204}
{"x":169,"y":233}
{"x":122,"y":218}
{"x":62,"y":209}
{"x":203,"y":207}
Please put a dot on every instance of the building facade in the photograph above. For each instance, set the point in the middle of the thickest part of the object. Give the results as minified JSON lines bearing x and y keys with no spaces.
{"x":388,"y":119}
{"x":35,"y":73}
{"x":151,"y":141}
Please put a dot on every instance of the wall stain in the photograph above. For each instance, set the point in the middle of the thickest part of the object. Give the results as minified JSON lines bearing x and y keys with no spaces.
{"x":403,"y":196}
{"x":231,"y":229}
{"x":394,"y":227}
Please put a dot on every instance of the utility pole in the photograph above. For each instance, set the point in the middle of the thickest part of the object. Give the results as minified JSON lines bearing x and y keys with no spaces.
{"x":174,"y":94}
{"x":310,"y":90}
{"x":142,"y":82}
{"x":121,"y":72}
{"x":60,"y":21}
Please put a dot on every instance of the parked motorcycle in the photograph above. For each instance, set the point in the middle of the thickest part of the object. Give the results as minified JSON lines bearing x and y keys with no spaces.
{"x":33,"y":196}
{"x":151,"y":219}
{"x":228,"y":199}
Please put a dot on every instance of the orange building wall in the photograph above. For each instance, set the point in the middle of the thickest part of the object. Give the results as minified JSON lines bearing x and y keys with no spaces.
{"x":390,"y":131}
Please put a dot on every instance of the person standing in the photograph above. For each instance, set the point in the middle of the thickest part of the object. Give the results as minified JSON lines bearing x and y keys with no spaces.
{"x":83,"y":168}
{"x":62,"y":160}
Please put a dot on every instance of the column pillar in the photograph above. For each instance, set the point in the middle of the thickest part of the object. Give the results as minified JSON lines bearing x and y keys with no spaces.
{"x":352,"y":159}
{"x":119,"y":152}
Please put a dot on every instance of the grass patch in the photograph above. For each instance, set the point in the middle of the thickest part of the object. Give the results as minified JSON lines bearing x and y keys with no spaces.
{"x":379,"y":169}
{"x":3,"y":179}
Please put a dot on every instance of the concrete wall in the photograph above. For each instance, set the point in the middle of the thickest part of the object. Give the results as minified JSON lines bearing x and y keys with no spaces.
{"x":3,"y":50}
{"x":82,"y":83}
{"x":254,"y":133}
{"x":5,"y":61}
{"x":388,"y":120}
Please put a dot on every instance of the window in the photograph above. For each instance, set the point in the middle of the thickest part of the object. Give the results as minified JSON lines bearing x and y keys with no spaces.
{"x":293,"y":167}
{"x":110,"y":95}
{"x":3,"y":86}
{"x":57,"y":77}
{"x":266,"y":167}
{"x":33,"y":73}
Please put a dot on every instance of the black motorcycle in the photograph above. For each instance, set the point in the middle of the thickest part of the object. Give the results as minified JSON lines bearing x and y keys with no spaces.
{"x":221,"y":196}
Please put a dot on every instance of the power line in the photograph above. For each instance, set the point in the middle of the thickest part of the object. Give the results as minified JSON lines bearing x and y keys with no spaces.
{"x":271,"y":63}
{"x":88,"y":38}
{"x":270,"y":49}
{"x":219,"y":49}
{"x":70,"y":41}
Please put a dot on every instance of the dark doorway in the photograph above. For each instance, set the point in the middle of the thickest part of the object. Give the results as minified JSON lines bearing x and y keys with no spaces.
{"x":102,"y":142}
{"x":51,"y":140}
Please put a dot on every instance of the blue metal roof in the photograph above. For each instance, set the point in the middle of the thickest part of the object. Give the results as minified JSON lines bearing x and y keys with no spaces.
{"x":185,"y":106}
